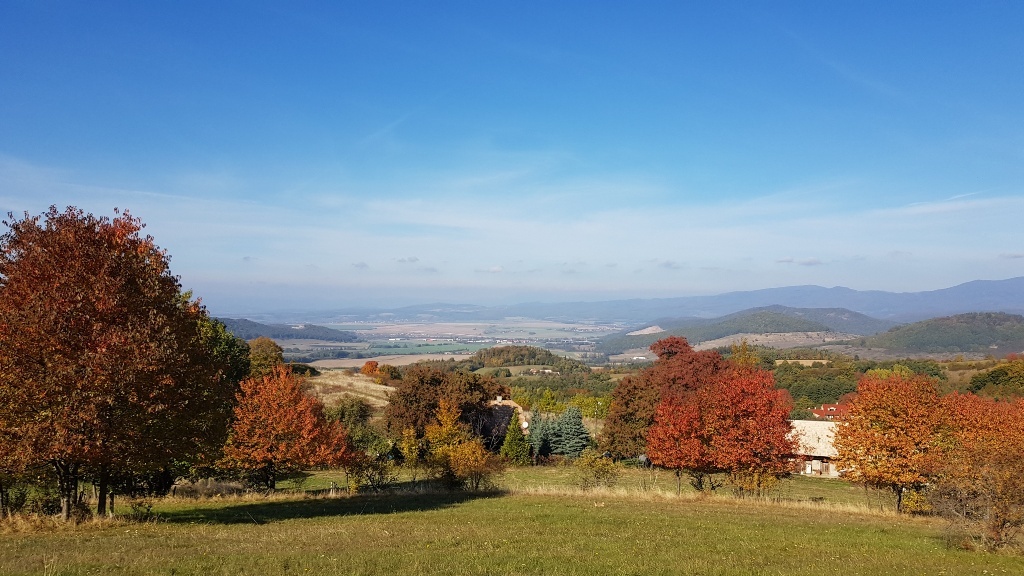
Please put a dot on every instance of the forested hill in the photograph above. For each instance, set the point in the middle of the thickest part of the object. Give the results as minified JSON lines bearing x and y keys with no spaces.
{"x":504,"y":356}
{"x":996,"y":333}
{"x":756,"y":321}
{"x":247,"y":330}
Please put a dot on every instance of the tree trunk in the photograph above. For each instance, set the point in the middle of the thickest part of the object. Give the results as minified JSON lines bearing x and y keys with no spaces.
{"x":899,"y":498}
{"x":679,"y":482}
{"x":67,"y":486}
{"x":102,"y":487}
{"x":111,"y":509}
{"x":4,"y":513}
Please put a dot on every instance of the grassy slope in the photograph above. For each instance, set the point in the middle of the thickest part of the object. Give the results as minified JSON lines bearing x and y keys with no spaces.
{"x":539,"y":526}
{"x":516,"y":534}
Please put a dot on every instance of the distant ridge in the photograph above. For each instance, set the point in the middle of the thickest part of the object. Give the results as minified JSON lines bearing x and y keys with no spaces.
{"x":247,"y":330}
{"x":774,"y":319}
{"x":976,"y":296}
{"x":991,"y":333}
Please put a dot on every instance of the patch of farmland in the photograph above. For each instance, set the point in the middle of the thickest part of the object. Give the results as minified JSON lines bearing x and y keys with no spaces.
{"x":331,"y":385}
{"x":648,"y":330}
{"x":777,"y":340}
{"x":393,"y":359}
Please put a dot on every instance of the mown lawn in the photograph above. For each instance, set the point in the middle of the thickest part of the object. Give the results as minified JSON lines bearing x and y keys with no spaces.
{"x":499,"y":533}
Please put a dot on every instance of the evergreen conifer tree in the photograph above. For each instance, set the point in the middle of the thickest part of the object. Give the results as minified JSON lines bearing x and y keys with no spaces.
{"x":515,"y":449}
{"x":573,"y":436}
{"x":540,"y":435}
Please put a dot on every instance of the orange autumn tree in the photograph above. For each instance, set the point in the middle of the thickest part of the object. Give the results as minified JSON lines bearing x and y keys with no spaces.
{"x":105,"y":366}
{"x":369,"y":368}
{"x":279,"y":429}
{"x":977,"y":479}
{"x":734,"y":423}
{"x":892,"y":427}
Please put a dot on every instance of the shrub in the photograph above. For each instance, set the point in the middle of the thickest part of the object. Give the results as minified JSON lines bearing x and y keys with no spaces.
{"x":375,"y":473}
{"x":593,"y":469}
{"x":472,"y":465}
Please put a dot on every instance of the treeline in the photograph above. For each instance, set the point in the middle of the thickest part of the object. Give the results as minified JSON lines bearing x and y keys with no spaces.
{"x":1005,"y":380}
{"x":248,"y":330}
{"x":554,"y":393}
{"x":505,"y":356}
{"x":502,"y":356}
{"x":830,"y":375}
{"x":826,"y":383}
{"x":986,"y":332}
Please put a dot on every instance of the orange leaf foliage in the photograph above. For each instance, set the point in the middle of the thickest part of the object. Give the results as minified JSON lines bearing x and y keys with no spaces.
{"x":978,"y":472}
{"x":278,"y":428}
{"x":103,"y":364}
{"x":893,"y":424}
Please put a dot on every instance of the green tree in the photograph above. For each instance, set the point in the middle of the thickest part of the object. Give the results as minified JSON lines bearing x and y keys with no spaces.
{"x":1003,"y":381}
{"x":515,"y":448}
{"x":573,"y":437}
{"x":264,"y":356}
{"x":540,"y":434}
{"x":593,"y":469}
{"x":354,"y":414}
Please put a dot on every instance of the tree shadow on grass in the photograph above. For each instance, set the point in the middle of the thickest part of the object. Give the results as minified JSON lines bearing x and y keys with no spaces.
{"x":273,"y":510}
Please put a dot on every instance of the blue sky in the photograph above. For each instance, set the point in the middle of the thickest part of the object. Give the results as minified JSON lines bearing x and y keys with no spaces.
{"x":330,"y":154}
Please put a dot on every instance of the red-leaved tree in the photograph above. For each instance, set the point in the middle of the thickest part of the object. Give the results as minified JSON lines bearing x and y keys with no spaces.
{"x":735,"y":423}
{"x":105,"y":366}
{"x":679,"y":369}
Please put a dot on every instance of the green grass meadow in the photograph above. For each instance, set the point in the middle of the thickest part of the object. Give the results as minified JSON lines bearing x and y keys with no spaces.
{"x":535,"y":523}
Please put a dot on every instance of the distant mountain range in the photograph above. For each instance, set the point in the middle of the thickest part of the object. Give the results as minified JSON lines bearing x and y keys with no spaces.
{"x":901,"y":307}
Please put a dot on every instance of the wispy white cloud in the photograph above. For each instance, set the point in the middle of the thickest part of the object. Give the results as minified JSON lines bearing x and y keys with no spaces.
{"x":217,"y":242}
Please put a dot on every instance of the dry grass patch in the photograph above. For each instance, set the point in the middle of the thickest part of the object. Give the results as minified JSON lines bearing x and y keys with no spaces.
{"x":331,"y":385}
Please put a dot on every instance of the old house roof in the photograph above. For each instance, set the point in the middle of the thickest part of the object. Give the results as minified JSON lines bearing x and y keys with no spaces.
{"x":816,"y":437}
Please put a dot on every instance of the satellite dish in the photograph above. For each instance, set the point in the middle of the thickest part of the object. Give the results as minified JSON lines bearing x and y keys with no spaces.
{"x":526,"y":425}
